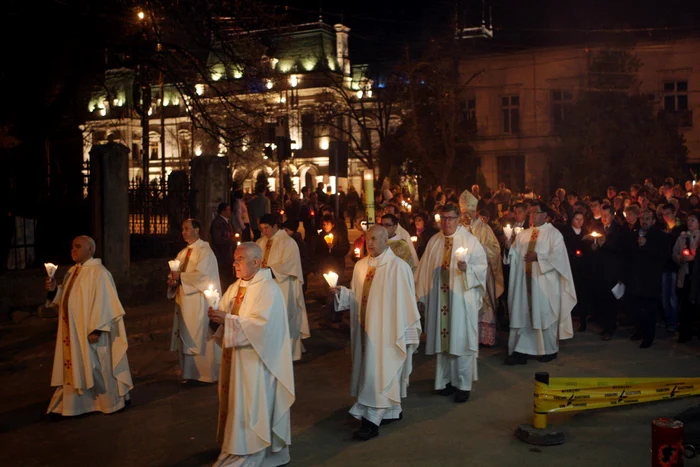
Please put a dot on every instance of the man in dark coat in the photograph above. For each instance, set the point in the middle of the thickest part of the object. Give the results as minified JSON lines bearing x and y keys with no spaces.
{"x":222,"y":243}
{"x":646,"y":255}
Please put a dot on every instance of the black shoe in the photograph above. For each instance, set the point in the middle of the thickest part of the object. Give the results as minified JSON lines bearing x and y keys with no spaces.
{"x":637,"y":336}
{"x":462,"y":396}
{"x":367,"y":431}
{"x":645,"y":344}
{"x":387,"y":421}
{"x":515,"y":358}
{"x":447,"y":391}
{"x":549,"y":357}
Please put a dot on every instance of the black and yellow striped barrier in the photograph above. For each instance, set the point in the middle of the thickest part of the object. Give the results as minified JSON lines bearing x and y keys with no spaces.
{"x":573,"y":394}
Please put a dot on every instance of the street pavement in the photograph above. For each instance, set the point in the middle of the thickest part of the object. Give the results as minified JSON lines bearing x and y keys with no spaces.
{"x":171,"y":425}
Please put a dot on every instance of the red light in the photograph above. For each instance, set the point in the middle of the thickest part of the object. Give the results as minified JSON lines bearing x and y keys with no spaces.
{"x":579,"y":253}
{"x":686,"y":252}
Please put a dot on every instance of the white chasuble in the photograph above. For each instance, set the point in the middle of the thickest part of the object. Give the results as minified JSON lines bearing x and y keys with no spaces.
{"x":384,"y":330}
{"x":540,"y":297}
{"x":90,"y":377}
{"x":191,"y":336}
{"x":257,"y":393}
{"x":285,"y":262}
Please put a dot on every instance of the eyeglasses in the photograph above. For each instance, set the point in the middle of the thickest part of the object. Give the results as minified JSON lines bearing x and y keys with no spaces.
{"x":387,"y":225}
{"x":448,"y":218}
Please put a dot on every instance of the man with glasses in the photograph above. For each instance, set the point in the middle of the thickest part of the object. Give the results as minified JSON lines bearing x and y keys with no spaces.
{"x":450,"y":285}
{"x":541,"y":293}
{"x":398,"y":245}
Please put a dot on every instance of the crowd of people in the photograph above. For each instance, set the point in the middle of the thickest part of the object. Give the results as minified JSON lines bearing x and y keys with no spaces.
{"x":449,"y":270}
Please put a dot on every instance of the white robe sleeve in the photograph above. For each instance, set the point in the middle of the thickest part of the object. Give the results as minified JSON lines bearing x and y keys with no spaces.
{"x":342,"y":300}
{"x":233,"y":333}
{"x":477,"y":265}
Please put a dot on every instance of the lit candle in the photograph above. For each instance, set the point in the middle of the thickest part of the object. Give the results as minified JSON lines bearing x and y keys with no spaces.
{"x":331,"y":278}
{"x":174,"y":265}
{"x":686,"y":252}
{"x":329,"y":240}
{"x":595,"y":236}
{"x":357,"y":252}
{"x":461,"y":253}
{"x":212,"y":296}
{"x":319,"y":231}
{"x":414,"y":239}
{"x":363,"y":224}
{"x":281,"y":212}
{"x":237,"y":235}
{"x":579,"y":253}
{"x":517,"y":230}
{"x":50,"y":269}
{"x":508,"y":231}
{"x":437,"y":217}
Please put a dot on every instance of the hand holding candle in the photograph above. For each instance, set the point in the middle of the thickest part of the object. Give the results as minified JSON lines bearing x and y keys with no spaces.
{"x":329,"y":240}
{"x":357,"y":252}
{"x":461,"y":253}
{"x":212,"y":296}
{"x":50,"y":269}
{"x":331,"y":278}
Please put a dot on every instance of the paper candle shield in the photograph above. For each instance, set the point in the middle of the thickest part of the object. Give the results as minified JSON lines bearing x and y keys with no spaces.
{"x":331,"y":278}
{"x":174,"y":265}
{"x":50,"y":269}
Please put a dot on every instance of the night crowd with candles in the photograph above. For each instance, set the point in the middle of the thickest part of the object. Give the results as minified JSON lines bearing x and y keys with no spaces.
{"x":445,"y":271}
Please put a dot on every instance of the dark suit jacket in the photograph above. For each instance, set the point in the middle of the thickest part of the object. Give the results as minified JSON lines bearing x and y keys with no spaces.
{"x":221,"y":233}
{"x":645,"y":264}
{"x":608,"y":260}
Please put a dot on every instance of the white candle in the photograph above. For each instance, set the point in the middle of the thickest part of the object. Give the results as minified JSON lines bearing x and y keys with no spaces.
{"x":212,"y":296}
{"x":50,"y":269}
{"x":508,"y":231}
{"x":357,"y":252}
{"x":174,"y":265}
{"x":331,"y":278}
{"x":461,"y":253}
{"x":414,"y":239}
{"x":437,"y":217}
{"x":363,"y":224}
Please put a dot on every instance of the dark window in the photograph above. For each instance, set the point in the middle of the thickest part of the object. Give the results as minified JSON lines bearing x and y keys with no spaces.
{"x":511,"y":171}
{"x":308,"y":130}
{"x":510,"y":108}
{"x":675,"y":100}
{"x":562,"y":100}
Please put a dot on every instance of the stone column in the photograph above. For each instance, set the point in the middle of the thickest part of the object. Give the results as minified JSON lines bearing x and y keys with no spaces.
{"x":209,"y":182}
{"x":109,"y":190}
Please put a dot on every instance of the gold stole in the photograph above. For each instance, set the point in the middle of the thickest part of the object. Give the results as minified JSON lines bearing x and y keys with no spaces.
{"x":444,"y":301}
{"x":369,"y":277}
{"x":528,"y":271}
{"x":225,"y":375}
{"x":268,"y":247}
{"x":65,"y":334}
{"x":183,"y":266}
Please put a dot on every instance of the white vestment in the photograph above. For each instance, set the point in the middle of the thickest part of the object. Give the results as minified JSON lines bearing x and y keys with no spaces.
{"x":192,"y":336}
{"x":90,"y":377}
{"x":404,"y":235}
{"x":258,"y":392}
{"x":382,"y":344}
{"x":285,"y":262}
{"x":553,"y":294}
{"x":453,"y":333}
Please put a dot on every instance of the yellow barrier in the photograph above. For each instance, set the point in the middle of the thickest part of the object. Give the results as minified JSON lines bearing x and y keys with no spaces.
{"x":570,"y":394}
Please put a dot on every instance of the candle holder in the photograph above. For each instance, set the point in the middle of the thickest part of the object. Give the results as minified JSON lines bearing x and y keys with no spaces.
{"x":461,"y":253}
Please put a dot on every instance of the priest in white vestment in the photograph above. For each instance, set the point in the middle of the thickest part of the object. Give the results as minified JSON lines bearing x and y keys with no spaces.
{"x":494,"y":275}
{"x":451,"y":291}
{"x":281,"y":255}
{"x":256,"y":386}
{"x":541,"y":291}
{"x":192,"y":335}
{"x":398,"y":245}
{"x":90,"y":367}
{"x":384,"y":332}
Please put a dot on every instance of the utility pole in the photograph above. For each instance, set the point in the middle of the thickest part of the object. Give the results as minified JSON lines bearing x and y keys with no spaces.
{"x":162,"y":124}
{"x":142,"y":109}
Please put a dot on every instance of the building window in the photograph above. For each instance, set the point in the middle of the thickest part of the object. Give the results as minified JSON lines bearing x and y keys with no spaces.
{"x":154,"y":151}
{"x":365,"y":138}
{"x":562,"y":101}
{"x":511,"y":171}
{"x":510,"y":108}
{"x":676,"y":102}
{"x":308,"y":131}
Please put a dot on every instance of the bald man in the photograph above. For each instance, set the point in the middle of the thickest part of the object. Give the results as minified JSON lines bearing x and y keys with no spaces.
{"x":90,"y":368}
{"x":384,"y":333}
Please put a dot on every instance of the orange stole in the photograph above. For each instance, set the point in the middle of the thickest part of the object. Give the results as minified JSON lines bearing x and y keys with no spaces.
{"x":369,"y":277}
{"x":528,"y":270}
{"x":183,"y":266}
{"x":65,"y":329}
{"x":268,"y":247}
{"x":225,"y":375}
{"x":444,"y":301}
